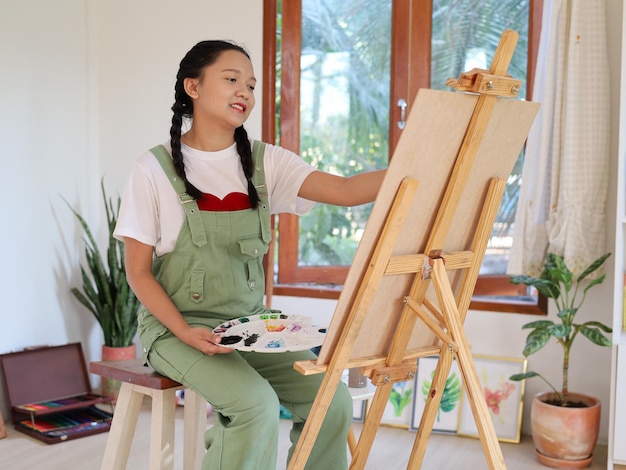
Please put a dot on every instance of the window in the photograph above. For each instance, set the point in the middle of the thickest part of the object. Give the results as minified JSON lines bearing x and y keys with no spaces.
{"x":345,"y":72}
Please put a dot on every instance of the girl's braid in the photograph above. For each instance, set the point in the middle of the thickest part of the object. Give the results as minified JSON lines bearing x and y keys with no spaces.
{"x":182,"y":107}
{"x":245,"y":154}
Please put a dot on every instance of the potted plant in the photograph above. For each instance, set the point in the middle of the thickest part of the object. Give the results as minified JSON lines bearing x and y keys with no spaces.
{"x":568,"y":443}
{"x":105,"y":291}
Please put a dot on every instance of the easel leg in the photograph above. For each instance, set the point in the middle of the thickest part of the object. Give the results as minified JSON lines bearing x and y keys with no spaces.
{"x":476,"y":398}
{"x":392,"y":228}
{"x":370,"y":426}
{"x":431,"y":408}
{"x":471,"y":382}
{"x":316,"y":418}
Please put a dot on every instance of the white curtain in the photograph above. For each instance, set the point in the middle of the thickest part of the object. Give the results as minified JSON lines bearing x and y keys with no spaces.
{"x":562,"y":204}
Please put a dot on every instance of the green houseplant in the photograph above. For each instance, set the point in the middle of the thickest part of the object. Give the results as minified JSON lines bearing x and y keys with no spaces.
{"x":105,"y":291}
{"x":552,"y":438}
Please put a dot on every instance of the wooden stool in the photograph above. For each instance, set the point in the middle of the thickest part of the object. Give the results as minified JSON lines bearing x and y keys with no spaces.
{"x":137,"y":382}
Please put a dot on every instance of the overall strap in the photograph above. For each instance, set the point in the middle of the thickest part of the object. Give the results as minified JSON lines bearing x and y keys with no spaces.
{"x":198,"y":235}
{"x":258,"y":179}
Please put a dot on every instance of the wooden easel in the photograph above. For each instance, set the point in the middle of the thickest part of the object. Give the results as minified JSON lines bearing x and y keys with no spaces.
{"x":406,"y":255}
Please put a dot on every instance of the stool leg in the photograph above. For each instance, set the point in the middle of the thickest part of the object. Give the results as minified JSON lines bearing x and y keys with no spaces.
{"x":162,"y":429}
{"x":122,"y":428}
{"x":195,"y":425}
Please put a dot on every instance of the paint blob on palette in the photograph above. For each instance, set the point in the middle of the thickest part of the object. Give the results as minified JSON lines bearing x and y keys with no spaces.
{"x":271,"y":332}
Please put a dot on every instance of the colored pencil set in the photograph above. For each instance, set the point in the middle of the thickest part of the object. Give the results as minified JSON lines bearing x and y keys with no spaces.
{"x":71,"y":421}
{"x":54,"y":404}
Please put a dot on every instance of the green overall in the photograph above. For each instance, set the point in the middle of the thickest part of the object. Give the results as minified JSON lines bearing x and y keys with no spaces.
{"x":215,"y":274}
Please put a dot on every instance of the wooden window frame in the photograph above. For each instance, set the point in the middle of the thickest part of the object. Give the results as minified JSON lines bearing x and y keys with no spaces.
{"x":326,"y":281}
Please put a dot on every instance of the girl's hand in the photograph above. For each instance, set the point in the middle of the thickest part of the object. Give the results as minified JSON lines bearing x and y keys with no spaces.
{"x":204,"y":340}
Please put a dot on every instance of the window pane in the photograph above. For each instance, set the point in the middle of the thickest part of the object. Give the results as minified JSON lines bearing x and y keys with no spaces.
{"x":466,"y":34}
{"x":344,"y":102}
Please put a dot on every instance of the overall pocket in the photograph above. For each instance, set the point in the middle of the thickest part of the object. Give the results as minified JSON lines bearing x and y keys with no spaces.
{"x":252,"y":251}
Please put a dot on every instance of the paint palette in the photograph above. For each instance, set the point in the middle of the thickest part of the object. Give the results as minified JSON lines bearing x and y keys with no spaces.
{"x":270,"y":333}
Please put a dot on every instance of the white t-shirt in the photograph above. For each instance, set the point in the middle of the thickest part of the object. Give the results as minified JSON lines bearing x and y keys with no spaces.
{"x":150,"y":210}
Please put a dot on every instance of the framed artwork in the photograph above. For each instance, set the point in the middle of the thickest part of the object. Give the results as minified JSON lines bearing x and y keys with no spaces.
{"x":398,"y":410}
{"x":358,"y":410}
{"x":447,"y":419}
{"x":504,"y":397}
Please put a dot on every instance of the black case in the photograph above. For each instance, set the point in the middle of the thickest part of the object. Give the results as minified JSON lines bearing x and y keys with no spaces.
{"x":50,"y":395}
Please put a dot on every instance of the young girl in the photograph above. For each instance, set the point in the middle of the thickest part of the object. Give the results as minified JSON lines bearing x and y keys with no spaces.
{"x":195,"y":221}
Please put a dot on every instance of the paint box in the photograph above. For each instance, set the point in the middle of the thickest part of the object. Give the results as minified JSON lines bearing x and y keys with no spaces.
{"x":50,"y":396}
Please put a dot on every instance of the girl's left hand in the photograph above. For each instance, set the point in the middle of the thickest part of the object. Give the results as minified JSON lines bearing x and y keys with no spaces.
{"x":204,"y":340}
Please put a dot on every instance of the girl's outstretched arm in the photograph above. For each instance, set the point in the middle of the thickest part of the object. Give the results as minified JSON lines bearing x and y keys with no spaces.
{"x":342,"y":191}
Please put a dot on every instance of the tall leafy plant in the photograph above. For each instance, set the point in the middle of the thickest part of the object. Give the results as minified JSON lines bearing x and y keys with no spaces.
{"x":557,"y":283}
{"x":105,"y":291}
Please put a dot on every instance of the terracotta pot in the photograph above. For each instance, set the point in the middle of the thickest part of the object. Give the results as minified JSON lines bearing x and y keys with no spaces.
{"x":565,"y":437}
{"x":109,"y":386}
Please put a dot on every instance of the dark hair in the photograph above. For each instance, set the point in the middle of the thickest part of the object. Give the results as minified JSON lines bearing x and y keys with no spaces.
{"x":201,"y":55}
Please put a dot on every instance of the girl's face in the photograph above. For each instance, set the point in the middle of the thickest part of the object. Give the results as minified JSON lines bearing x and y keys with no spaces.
{"x":224,"y":94}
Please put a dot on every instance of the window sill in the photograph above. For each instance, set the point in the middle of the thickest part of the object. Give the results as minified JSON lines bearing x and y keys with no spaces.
{"x":318,"y":291}
{"x":315,"y":291}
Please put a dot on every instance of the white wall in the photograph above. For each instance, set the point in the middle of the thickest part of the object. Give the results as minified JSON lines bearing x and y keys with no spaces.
{"x":141,"y":43}
{"x":44,"y":135}
{"x":86,"y":87}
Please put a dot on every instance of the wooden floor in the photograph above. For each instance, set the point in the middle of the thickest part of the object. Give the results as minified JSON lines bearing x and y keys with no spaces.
{"x":390,"y":452}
